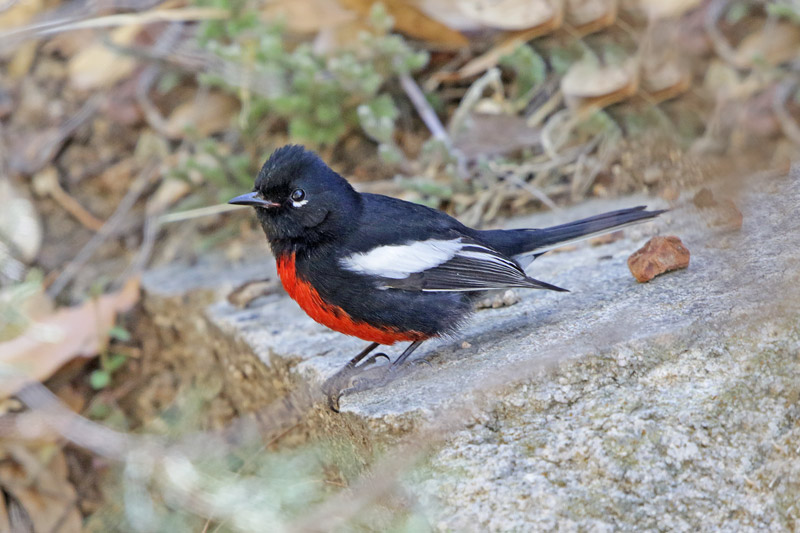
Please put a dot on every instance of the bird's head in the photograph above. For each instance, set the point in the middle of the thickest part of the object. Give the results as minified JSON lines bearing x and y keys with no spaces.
{"x":297,"y":197}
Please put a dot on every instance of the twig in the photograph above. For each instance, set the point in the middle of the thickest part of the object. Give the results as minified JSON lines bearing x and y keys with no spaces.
{"x":121,"y":19}
{"x":789,"y":126}
{"x":567,"y":121}
{"x":166,"y":41}
{"x":54,"y":140}
{"x":431,"y":120}
{"x":721,"y":45}
{"x":111,"y":225}
{"x":567,"y":156}
{"x":541,"y":112}
{"x":46,"y":184}
{"x":473,"y":94}
{"x":197,"y":213}
{"x":536,"y":192}
{"x":426,"y":112}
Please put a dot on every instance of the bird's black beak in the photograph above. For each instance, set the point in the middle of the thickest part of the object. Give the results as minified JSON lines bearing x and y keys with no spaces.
{"x":252,"y":198}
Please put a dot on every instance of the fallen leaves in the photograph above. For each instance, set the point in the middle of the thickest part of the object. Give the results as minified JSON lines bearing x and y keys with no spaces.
{"x":307,"y":16}
{"x":659,"y":255}
{"x":202,"y":115}
{"x":590,"y":83}
{"x":775,"y":44}
{"x":98,"y":66}
{"x":510,"y":14}
{"x":589,"y":16}
{"x":661,"y":9}
{"x":412,"y":21}
{"x":80,"y":331}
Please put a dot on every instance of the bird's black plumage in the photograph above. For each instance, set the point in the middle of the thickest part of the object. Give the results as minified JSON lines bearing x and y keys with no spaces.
{"x":388,"y":270}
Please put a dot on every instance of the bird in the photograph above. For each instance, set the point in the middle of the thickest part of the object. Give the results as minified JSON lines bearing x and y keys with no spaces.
{"x":386,"y":270}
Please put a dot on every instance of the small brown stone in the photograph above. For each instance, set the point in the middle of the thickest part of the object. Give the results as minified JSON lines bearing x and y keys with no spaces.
{"x":704,"y":198}
{"x":659,"y":255}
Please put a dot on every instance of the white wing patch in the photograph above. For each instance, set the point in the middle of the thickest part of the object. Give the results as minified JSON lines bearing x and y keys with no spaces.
{"x":398,"y":261}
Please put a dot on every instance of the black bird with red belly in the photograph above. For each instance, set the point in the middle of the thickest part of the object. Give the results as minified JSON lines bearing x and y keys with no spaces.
{"x":386,"y":270}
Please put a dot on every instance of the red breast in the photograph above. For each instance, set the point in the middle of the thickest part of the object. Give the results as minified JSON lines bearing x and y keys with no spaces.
{"x":333,"y":316}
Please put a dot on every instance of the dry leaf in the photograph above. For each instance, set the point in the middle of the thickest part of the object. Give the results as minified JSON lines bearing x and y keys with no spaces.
{"x":412,"y":21}
{"x":98,"y":66}
{"x":448,"y":12}
{"x":665,"y":80}
{"x":203,"y":115}
{"x":346,"y":36}
{"x":493,"y":134}
{"x":590,"y":84}
{"x":307,"y":16}
{"x":659,"y":9}
{"x":589,"y":16}
{"x":19,"y":14}
{"x":775,"y":44}
{"x":71,"y":332}
{"x":510,"y":14}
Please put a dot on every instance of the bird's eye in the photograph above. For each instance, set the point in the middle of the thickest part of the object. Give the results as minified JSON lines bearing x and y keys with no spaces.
{"x":298,"y":195}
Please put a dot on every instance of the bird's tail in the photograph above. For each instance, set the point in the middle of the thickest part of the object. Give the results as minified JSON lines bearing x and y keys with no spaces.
{"x":530,"y":243}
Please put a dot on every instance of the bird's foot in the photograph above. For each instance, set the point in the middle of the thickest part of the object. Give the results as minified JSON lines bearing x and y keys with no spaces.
{"x":422,"y":361}
{"x":355,"y":378}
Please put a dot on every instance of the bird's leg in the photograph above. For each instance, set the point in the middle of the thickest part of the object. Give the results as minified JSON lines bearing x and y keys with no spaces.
{"x":362,"y":354}
{"x":334,"y":387}
{"x":403,"y":356}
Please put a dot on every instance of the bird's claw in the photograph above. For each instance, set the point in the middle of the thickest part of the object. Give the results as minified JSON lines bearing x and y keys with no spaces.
{"x":422,"y":361}
{"x":372,"y":359}
{"x":354,"y":379}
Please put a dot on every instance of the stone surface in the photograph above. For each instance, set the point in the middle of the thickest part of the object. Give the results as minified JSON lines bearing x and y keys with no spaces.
{"x":671,"y":405}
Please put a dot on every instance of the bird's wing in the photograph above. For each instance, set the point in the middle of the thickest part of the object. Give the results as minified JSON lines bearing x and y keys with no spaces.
{"x":459,"y":264}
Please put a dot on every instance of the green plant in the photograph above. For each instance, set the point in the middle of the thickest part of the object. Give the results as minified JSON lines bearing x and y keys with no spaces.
{"x":530,"y":70}
{"x":229,"y":173}
{"x":788,"y":9}
{"x":317,"y":95}
{"x":110,"y":362}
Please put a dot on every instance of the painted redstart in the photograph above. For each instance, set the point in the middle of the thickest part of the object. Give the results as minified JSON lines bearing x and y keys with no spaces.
{"x":386,"y":270}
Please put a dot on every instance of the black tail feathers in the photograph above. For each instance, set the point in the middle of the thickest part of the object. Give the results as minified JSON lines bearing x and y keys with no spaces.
{"x":548,"y":238}
{"x":528,"y":243}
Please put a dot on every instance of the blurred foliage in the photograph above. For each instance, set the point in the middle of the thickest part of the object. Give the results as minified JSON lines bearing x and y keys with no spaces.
{"x":318,"y":95}
{"x":530,"y":71}
{"x":227,"y":173}
{"x":14,"y":302}
{"x":789,"y":10}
